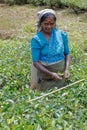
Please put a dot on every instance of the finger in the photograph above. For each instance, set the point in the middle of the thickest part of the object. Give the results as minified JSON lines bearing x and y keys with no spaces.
{"x":67,"y":75}
{"x":59,"y":77}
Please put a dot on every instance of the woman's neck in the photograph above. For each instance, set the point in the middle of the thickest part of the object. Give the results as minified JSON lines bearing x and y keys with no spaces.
{"x":47,"y":35}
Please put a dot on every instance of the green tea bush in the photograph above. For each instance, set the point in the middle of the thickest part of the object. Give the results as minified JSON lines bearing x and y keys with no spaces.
{"x":74,"y":4}
{"x":49,"y":3}
{"x":14,"y":65}
{"x":53,"y":4}
{"x":20,"y":2}
{"x":12,"y":2}
{"x":37,"y":2}
{"x":64,"y":110}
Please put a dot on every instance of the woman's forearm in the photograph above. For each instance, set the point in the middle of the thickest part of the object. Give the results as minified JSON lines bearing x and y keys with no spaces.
{"x":67,"y":61}
{"x":40,"y":67}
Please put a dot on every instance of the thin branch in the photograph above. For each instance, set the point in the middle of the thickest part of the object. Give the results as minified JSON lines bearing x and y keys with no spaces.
{"x":56,"y":90}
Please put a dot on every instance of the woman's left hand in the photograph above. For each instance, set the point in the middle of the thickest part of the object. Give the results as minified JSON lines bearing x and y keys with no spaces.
{"x":67,"y":74}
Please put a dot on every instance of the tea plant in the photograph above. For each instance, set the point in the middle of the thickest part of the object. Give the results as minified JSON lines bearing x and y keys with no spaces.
{"x":63,"y":110}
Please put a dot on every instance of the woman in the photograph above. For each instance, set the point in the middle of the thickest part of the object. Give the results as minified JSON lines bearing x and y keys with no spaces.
{"x":50,"y":53}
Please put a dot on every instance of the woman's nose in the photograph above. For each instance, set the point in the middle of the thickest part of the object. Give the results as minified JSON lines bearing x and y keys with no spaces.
{"x":49,"y":25}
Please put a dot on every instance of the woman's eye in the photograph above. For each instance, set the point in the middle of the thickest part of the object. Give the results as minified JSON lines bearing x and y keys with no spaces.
{"x":49,"y":24}
{"x":46,"y":24}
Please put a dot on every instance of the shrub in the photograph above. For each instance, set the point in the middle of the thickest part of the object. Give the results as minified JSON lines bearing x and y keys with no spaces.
{"x":74,"y":4}
{"x":36,"y":2}
{"x":12,"y":2}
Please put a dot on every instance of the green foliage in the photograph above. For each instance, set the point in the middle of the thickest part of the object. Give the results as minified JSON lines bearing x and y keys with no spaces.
{"x":28,"y":28}
{"x":14,"y":67}
{"x":12,"y":2}
{"x":36,"y":2}
{"x":52,"y":4}
{"x":77,"y":5}
{"x":64,"y":110}
{"x":19,"y":2}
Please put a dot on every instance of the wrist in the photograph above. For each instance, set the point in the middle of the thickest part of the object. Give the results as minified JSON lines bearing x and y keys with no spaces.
{"x":67,"y":69}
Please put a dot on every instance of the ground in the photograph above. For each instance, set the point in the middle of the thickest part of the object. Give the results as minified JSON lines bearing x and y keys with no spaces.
{"x":20,"y":21}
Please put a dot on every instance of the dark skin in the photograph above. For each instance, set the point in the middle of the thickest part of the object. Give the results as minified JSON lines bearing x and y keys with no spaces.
{"x":47,"y":25}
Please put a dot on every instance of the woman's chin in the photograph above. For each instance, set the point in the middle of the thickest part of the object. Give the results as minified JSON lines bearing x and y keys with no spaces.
{"x":48,"y":31}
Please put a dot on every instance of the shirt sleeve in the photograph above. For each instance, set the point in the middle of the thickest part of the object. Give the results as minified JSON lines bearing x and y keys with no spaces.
{"x":35,"y":50}
{"x":65,"y":42}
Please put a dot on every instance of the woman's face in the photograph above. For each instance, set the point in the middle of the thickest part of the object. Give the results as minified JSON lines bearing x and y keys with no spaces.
{"x":48,"y":24}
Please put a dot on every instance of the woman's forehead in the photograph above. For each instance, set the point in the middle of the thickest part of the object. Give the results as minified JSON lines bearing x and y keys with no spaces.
{"x":49,"y":19}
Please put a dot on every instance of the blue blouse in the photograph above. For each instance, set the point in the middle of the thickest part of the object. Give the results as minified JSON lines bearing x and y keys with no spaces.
{"x":50,"y":51}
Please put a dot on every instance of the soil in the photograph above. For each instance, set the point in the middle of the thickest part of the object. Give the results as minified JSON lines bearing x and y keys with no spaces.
{"x":20,"y":21}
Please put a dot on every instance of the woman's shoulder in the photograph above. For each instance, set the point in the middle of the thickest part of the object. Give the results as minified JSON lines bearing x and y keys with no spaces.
{"x":61,"y":31}
{"x":38,"y":39}
{"x":35,"y":36}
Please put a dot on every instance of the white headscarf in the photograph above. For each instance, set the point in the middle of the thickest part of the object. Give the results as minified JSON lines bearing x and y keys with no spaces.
{"x":42,"y":12}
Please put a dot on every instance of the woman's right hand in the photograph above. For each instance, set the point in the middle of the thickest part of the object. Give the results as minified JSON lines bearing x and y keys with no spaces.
{"x":40,"y":67}
{"x":55,"y":76}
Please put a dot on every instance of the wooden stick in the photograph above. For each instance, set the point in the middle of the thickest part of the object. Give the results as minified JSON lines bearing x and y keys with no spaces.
{"x":56,"y":90}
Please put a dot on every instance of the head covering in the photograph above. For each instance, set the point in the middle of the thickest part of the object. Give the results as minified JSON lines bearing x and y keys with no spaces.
{"x":42,"y":12}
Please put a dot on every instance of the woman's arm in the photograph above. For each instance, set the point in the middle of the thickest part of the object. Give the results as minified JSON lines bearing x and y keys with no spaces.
{"x":40,"y":67}
{"x":67,"y":63}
